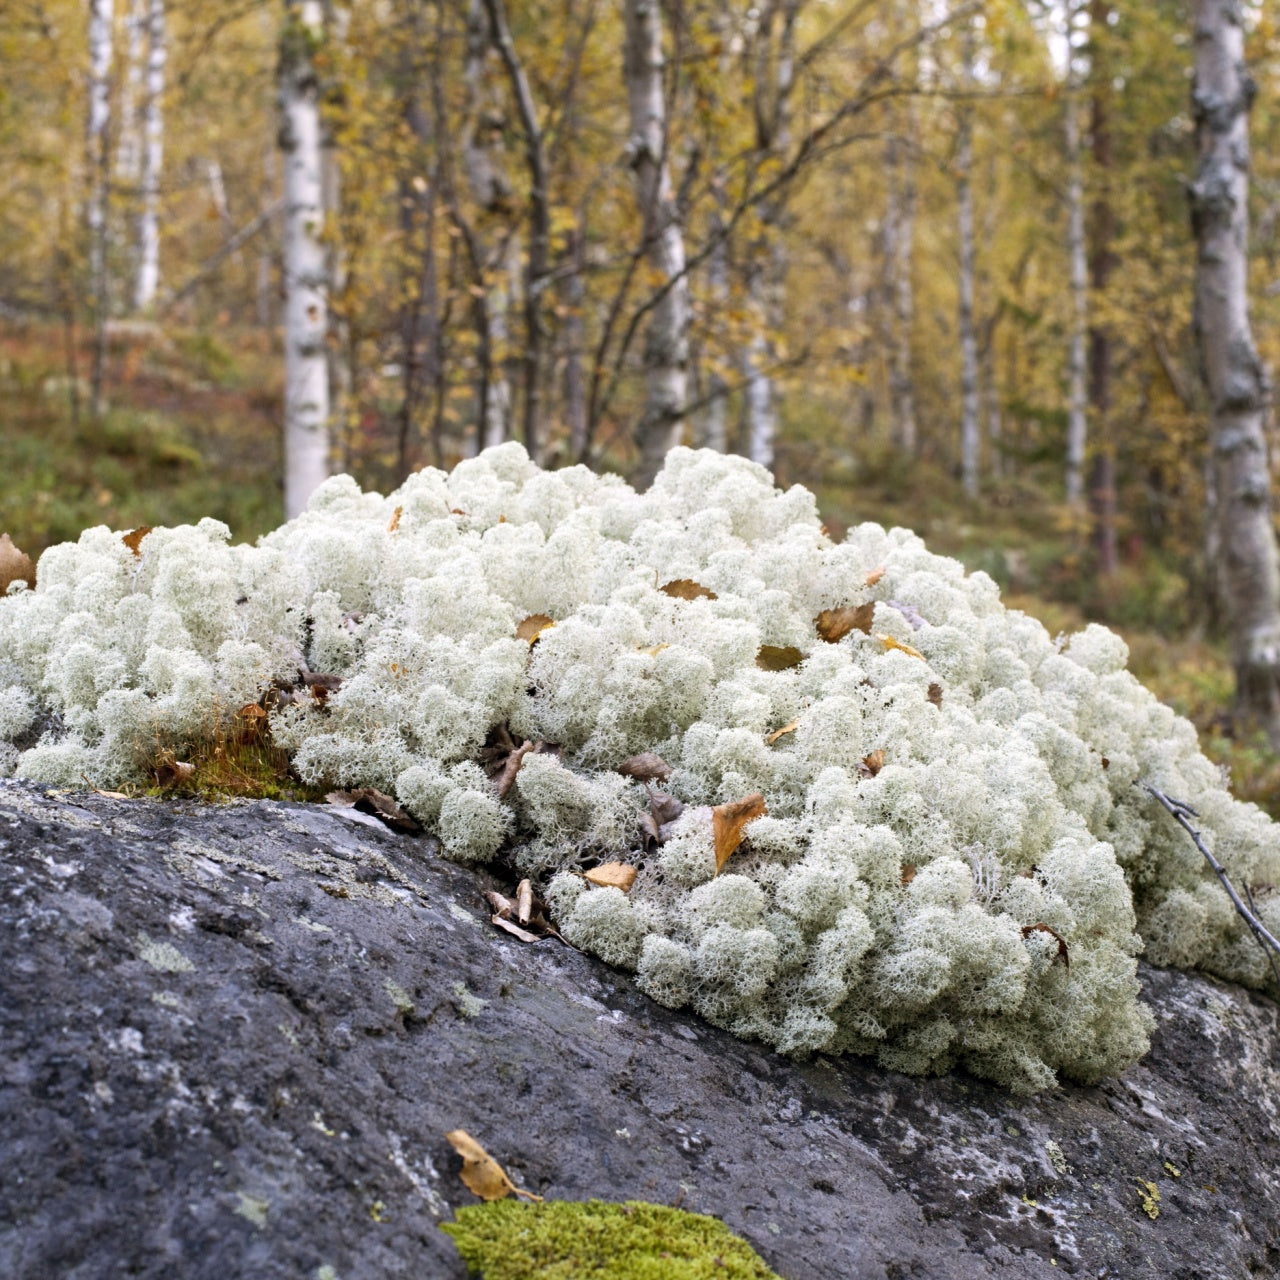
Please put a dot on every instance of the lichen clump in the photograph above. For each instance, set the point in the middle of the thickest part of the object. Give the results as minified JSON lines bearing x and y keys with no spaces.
{"x":568,"y":1239}
{"x":958,"y":865}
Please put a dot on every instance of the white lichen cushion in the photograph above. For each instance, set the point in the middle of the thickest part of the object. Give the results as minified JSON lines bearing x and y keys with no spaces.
{"x":975,"y":899}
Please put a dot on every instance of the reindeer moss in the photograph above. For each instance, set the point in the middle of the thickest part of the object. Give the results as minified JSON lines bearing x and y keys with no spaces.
{"x":567,"y":1239}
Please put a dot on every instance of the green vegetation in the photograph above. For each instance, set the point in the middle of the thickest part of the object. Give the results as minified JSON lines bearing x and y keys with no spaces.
{"x":569,"y":1240}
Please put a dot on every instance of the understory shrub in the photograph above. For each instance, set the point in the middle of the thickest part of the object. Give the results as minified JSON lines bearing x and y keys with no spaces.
{"x":958,"y":864}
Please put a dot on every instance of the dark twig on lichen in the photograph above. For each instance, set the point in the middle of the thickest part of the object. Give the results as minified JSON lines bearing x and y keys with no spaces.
{"x":1182,"y":813}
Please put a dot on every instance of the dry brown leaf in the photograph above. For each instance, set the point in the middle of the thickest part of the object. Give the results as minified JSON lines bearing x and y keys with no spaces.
{"x":648,"y":766}
{"x":771,"y":738}
{"x":167,"y":771}
{"x":871,"y":764}
{"x":369,"y":800}
{"x":890,"y":642}
{"x":394,"y":523}
{"x":1063,"y":954}
{"x":874,"y":576}
{"x":908,"y":872}
{"x":728,"y":820}
{"x":15,"y":565}
{"x":935,"y":694}
{"x":533,"y":626}
{"x":111,"y":795}
{"x":613,"y":875}
{"x":687,"y":589}
{"x":665,"y":808}
{"x":133,"y":539}
{"x":506,"y":779}
{"x":481,"y":1173}
{"x":835,"y":624}
{"x":524,"y":902}
{"x":775,"y":657}
{"x":514,"y":929}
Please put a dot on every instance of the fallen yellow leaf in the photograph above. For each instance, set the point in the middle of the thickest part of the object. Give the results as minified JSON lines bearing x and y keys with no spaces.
{"x":890,"y":643}
{"x":133,"y":539}
{"x":728,"y":820}
{"x":874,"y":576}
{"x":687,"y":589}
{"x":394,"y":523}
{"x":835,"y":624}
{"x":654,"y":649}
{"x":775,"y":657}
{"x":613,"y":875}
{"x":771,"y":738}
{"x":873,"y":763}
{"x":481,"y":1173}
{"x":533,"y":626}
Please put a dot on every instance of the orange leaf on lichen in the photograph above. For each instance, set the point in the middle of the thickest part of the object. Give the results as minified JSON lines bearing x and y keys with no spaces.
{"x":15,"y":565}
{"x":835,"y":624}
{"x":133,"y":539}
{"x":687,"y":589}
{"x":728,"y":821}
{"x":394,"y":523}
{"x":771,"y":738}
{"x":778,"y":657}
{"x":533,"y":626}
{"x":890,"y":642}
{"x":613,"y":875}
{"x":874,"y":576}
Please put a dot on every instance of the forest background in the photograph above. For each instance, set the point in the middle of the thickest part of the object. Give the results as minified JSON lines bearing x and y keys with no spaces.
{"x":934,"y":262}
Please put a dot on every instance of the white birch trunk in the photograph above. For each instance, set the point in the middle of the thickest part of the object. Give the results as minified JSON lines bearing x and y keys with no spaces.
{"x":1239,"y":391}
{"x":490,"y":187}
{"x":306,"y":391}
{"x":970,"y":438}
{"x":129,"y":146}
{"x":1078,"y":387}
{"x":148,"y":279}
{"x":666,"y":352}
{"x":99,"y":165}
{"x":759,"y":409}
{"x":713,"y":431}
{"x":899,"y":246}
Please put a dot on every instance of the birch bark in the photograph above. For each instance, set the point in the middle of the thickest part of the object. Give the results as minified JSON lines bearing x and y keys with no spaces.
{"x":1077,"y":394}
{"x":1248,"y":564}
{"x":666,"y":352}
{"x":970,"y":438}
{"x":306,"y":392}
{"x":147,"y":281}
{"x":98,"y":155}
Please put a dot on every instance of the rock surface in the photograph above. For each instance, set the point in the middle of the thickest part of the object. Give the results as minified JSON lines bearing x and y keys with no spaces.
{"x":232,"y":1038}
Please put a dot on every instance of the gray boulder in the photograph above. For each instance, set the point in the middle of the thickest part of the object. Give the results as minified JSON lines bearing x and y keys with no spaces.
{"x":232,"y":1038}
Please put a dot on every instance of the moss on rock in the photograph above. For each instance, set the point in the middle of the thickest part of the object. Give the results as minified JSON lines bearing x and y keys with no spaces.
{"x":568,"y":1239}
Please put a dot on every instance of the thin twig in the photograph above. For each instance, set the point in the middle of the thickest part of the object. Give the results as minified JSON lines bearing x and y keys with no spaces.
{"x":1182,"y":813}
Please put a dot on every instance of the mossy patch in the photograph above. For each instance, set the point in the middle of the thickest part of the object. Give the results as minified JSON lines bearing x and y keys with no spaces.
{"x":567,"y":1239}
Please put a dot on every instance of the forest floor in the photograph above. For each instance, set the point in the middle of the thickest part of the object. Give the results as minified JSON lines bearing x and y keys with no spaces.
{"x":192,"y":430}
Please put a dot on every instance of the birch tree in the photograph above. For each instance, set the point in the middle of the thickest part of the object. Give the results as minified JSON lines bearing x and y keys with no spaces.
{"x":1077,"y":391}
{"x":98,"y":161}
{"x":306,"y":391}
{"x":898,"y":247}
{"x":1248,"y":566}
{"x":969,"y":424}
{"x":666,"y":351}
{"x":147,"y":280}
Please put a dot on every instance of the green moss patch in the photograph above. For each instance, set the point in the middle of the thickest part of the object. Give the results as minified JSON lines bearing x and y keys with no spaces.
{"x":567,"y":1239}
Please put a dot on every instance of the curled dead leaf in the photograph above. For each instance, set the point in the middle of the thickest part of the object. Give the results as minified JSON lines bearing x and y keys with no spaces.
{"x":133,"y":539}
{"x":648,"y":766}
{"x":613,"y":875}
{"x":168,"y":771}
{"x":533,"y":626}
{"x":524,"y":902}
{"x":728,"y":821}
{"x":874,"y":576}
{"x":834,"y":624}
{"x":506,"y":778}
{"x":908,"y":872}
{"x":771,"y":738}
{"x":687,"y":589}
{"x":890,"y":642}
{"x":394,"y":523}
{"x":15,"y":565}
{"x":935,"y":694}
{"x":481,"y":1173}
{"x":379,"y":805}
{"x":871,"y":764}
{"x":654,"y":649}
{"x":1063,"y":953}
{"x":775,"y":657}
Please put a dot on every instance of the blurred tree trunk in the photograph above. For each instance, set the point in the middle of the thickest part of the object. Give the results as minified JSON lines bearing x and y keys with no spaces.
{"x":1077,"y":393}
{"x":899,"y":242}
{"x":666,"y":351}
{"x":306,"y":389}
{"x":1102,"y":477}
{"x":1248,"y":566}
{"x":147,"y":281}
{"x":970,"y":437}
{"x":495,"y":244}
{"x":537,"y":263}
{"x":98,"y":155}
